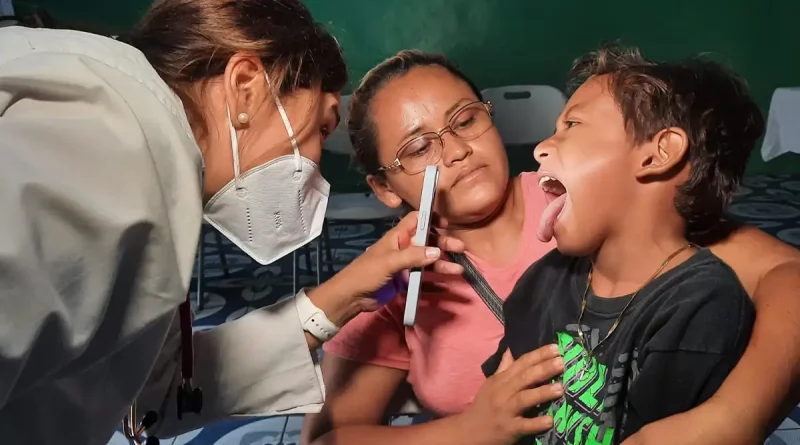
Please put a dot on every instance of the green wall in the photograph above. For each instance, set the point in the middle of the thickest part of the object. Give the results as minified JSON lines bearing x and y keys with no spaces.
{"x":501,"y":42}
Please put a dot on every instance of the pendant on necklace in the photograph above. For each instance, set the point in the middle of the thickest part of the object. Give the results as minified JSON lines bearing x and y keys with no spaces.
{"x":585,"y":367}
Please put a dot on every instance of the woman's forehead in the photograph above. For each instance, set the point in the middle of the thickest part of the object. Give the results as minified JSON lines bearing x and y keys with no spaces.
{"x":424,"y":96}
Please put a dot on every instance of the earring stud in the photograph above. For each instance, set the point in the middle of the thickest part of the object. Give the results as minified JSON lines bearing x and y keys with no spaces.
{"x":243,"y":118}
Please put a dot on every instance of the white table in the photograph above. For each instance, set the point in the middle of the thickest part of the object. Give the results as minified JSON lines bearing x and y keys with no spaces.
{"x":783,"y":124}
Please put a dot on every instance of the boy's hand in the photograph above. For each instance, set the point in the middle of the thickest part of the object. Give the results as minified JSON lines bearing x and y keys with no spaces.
{"x":496,"y":416}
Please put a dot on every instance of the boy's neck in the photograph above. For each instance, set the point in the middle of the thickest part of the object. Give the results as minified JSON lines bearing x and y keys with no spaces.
{"x":626,"y":262}
{"x":496,"y":239}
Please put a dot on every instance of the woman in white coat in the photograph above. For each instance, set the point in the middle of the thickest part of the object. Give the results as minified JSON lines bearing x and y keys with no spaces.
{"x":111,"y":154}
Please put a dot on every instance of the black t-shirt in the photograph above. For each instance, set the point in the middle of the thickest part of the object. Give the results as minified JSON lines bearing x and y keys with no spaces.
{"x":678,"y":340}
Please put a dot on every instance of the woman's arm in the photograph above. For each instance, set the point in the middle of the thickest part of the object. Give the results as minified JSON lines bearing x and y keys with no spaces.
{"x":772,"y":357}
{"x":358,"y":397}
{"x":244,"y":370}
{"x":762,"y":388}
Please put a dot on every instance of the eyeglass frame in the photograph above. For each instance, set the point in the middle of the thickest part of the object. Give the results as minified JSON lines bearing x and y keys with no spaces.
{"x":447,"y":129}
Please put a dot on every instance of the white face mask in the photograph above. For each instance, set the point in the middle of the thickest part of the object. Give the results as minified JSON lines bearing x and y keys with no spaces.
{"x":274,"y":209}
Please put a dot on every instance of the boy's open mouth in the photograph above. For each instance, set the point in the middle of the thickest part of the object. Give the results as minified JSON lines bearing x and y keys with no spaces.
{"x":557,"y":198}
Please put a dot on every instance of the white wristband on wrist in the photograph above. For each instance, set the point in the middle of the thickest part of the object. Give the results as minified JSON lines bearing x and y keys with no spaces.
{"x":313,"y":320}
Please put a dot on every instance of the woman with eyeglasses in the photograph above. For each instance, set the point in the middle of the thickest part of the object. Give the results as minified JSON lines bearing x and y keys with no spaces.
{"x":416,"y":109}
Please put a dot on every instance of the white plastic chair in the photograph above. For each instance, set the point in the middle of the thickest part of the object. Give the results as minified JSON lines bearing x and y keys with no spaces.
{"x":350,"y":208}
{"x":525,"y":114}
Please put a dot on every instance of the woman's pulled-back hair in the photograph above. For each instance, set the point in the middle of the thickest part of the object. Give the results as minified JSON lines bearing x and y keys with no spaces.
{"x":191,"y":41}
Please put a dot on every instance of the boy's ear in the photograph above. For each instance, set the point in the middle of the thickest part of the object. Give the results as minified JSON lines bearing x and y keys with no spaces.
{"x":665,"y":152}
{"x":384,"y":192}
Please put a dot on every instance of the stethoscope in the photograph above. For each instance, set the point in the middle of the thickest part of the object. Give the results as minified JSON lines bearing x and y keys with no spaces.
{"x":134,"y":433}
{"x":189,"y":398}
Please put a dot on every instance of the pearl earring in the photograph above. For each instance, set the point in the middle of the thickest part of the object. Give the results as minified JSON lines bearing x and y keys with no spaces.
{"x":243,"y":118}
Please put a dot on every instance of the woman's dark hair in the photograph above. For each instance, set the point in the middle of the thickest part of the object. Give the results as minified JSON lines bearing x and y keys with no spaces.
{"x":191,"y":41}
{"x":363,"y":131}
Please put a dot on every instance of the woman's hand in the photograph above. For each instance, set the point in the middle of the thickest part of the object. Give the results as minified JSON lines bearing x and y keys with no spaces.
{"x":349,"y":292}
{"x":496,"y":417}
{"x":394,"y":253}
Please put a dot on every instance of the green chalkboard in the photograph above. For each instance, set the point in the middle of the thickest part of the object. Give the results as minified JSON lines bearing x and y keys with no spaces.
{"x":501,"y":42}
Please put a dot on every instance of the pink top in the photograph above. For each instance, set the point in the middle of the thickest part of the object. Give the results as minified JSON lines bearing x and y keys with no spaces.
{"x":454,"y":331}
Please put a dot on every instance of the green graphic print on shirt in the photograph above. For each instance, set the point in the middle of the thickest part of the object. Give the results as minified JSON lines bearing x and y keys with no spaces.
{"x":585,"y":415}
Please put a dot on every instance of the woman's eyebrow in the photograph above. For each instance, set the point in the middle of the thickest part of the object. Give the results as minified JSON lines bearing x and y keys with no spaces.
{"x":418,"y":127}
{"x":414,"y":130}
{"x":457,"y":105}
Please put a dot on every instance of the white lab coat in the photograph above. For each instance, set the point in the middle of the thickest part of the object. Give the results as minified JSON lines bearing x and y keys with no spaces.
{"x":100,"y":215}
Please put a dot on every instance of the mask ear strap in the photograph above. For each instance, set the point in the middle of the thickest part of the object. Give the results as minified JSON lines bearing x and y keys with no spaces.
{"x":234,"y":149}
{"x":298,"y":165}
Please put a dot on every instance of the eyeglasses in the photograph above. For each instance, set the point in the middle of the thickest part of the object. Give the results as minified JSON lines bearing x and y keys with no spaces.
{"x":467,"y":123}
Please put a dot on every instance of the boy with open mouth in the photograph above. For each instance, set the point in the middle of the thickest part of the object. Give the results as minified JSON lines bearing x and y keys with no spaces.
{"x":645,"y":156}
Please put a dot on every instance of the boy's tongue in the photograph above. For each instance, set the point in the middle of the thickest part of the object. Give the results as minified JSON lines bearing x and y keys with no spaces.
{"x":549,"y":216}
